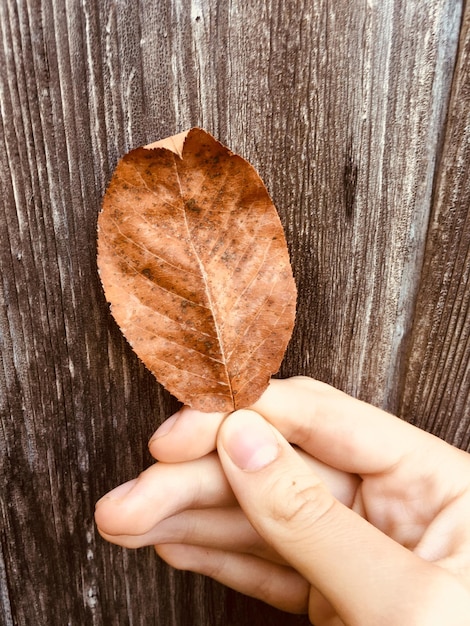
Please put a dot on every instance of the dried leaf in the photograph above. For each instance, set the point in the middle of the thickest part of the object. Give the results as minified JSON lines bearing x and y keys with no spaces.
{"x":193,"y":260}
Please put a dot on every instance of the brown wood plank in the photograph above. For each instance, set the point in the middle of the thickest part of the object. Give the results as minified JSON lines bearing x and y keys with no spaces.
{"x":339,"y":105}
{"x":436,"y":388}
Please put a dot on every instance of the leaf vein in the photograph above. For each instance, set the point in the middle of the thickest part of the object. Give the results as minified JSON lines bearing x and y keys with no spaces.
{"x":252,"y":321}
{"x":193,"y":374}
{"x":154,"y":254}
{"x":247,"y":361}
{"x":181,"y":345}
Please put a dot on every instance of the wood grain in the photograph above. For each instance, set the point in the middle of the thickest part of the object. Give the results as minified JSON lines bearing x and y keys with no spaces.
{"x":436,"y":388}
{"x":342,"y":109}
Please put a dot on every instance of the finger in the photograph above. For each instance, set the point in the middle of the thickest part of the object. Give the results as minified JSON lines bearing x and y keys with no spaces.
{"x":186,"y":435}
{"x":447,"y":538}
{"x":135,"y":508}
{"x":321,"y":611}
{"x":160,"y":491}
{"x":275,"y":584}
{"x":124,"y":517}
{"x":350,"y":562}
{"x":222,"y":529}
{"x":341,"y":431}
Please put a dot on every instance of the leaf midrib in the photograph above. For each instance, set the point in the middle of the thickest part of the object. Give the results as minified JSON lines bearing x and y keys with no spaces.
{"x":206,"y":285}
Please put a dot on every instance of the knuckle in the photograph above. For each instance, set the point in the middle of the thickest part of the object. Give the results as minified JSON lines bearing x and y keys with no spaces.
{"x":304,"y":382}
{"x":317,"y":388}
{"x":305,"y":502}
{"x":215,"y":567}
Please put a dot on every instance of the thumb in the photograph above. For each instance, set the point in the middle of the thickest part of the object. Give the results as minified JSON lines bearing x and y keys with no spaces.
{"x":349,"y":561}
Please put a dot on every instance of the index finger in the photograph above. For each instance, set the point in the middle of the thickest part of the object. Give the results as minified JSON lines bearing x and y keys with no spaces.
{"x":342,"y":431}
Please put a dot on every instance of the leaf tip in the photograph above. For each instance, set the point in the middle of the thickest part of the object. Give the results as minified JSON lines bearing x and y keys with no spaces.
{"x":174,"y":143}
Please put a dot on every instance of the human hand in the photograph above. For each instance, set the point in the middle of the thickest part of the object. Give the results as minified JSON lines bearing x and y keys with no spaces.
{"x":366,"y":522}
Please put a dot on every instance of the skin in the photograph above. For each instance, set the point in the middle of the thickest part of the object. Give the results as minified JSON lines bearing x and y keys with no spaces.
{"x":362,"y":519}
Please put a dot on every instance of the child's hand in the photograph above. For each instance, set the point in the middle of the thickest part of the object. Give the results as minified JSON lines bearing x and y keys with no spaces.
{"x":366,"y":522}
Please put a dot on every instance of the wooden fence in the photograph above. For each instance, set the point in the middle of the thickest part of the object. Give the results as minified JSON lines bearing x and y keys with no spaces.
{"x":356,"y":114}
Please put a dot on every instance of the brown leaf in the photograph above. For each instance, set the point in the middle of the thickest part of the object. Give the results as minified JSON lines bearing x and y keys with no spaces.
{"x":193,"y":260}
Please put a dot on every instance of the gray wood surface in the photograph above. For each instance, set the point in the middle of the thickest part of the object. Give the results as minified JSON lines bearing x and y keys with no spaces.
{"x":436,"y":387}
{"x":356,"y":115}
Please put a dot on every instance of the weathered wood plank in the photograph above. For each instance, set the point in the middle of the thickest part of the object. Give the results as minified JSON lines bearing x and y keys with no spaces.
{"x":341,"y":108}
{"x":364,"y":181}
{"x":437,"y":385}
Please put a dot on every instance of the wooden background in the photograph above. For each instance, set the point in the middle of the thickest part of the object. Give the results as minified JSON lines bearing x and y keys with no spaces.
{"x":357,"y":116}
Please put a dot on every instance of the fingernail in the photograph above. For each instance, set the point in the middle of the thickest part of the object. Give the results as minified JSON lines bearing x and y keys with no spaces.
{"x":249,"y":441}
{"x":165,"y":428}
{"x":118,"y":492}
